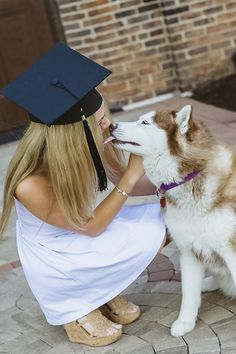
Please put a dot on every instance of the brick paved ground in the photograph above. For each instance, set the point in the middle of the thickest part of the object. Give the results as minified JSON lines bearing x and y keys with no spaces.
{"x":23,"y":329}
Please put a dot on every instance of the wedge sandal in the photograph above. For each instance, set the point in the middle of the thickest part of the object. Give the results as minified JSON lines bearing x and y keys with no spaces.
{"x":117,"y":310}
{"x":91,"y":330}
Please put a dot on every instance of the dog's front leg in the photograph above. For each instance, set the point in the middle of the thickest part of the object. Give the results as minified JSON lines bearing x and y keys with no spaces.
{"x":192,"y":272}
{"x":229,"y":256}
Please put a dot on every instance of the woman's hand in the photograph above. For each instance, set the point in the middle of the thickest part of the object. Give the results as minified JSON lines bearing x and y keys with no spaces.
{"x":135,"y":169}
{"x":109,"y":207}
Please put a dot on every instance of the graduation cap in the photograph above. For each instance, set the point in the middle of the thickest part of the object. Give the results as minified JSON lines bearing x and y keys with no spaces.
{"x":59,"y":88}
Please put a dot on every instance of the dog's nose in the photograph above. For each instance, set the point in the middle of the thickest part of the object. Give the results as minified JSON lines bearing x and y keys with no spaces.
{"x":112,"y":127}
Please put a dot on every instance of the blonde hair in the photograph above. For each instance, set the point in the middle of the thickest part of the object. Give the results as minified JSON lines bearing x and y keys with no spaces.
{"x":62,"y":153}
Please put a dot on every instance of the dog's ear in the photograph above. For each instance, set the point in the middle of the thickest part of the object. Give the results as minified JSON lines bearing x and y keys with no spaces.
{"x":183,"y":118}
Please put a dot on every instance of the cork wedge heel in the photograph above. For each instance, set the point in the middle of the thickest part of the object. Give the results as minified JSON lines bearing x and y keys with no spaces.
{"x":92,"y":330}
{"x":118,"y":310}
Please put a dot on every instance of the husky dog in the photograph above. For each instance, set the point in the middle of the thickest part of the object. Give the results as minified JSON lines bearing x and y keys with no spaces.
{"x":198,"y":176}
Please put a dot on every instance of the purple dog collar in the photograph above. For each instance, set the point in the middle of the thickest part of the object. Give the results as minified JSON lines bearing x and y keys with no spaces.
{"x":165,"y":187}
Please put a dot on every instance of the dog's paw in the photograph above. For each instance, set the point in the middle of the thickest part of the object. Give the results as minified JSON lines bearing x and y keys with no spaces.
{"x":179,"y":328}
{"x":210,"y":284}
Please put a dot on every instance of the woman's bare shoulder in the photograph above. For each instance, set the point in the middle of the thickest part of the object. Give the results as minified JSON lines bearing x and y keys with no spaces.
{"x":33,"y":186}
{"x":34,"y":192}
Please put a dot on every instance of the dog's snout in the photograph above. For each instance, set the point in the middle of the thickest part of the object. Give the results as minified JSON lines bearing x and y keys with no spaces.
{"x":112,"y":127}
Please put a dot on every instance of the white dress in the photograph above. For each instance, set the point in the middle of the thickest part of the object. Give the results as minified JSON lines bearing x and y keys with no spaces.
{"x":71,"y":274}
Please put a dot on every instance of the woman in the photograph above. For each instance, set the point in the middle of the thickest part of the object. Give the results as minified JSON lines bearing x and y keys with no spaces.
{"x":78,"y":258}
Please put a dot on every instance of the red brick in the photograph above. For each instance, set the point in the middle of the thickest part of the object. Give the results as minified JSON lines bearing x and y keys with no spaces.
{"x":168,"y":3}
{"x":109,"y":27}
{"x":195,"y":33}
{"x":220,"y":45}
{"x":100,"y":38}
{"x":77,"y":16}
{"x":68,"y":9}
{"x":125,"y":13}
{"x":95,"y":21}
{"x":161,"y":276}
{"x":172,"y":20}
{"x":176,"y":38}
{"x":87,"y":4}
{"x":118,"y":43}
{"x":128,"y":30}
{"x":217,"y":28}
{"x":226,"y":16}
{"x":201,"y":4}
{"x":159,"y":258}
{"x":6,"y":267}
{"x":129,"y":3}
{"x":142,"y":96}
{"x":148,"y":7}
{"x":156,"y":267}
{"x":231,"y":5}
{"x":138,"y":19}
{"x":147,"y":70}
{"x":143,"y":36}
{"x":190,"y":15}
{"x":204,"y":21}
{"x":213,"y":10}
{"x":176,"y":277}
{"x":198,"y":51}
{"x":156,"y":32}
{"x":168,"y":65}
{"x":86,"y":50}
{"x":76,"y":43}
{"x":101,"y":10}
{"x":122,"y":58}
{"x":16,"y":264}
{"x":79,"y":33}
{"x":155,"y":42}
{"x":71,"y":26}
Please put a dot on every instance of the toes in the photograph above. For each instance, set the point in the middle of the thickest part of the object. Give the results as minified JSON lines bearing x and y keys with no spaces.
{"x":132,"y":308}
{"x":111,"y":330}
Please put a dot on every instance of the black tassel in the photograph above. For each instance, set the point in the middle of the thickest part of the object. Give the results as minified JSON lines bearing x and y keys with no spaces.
{"x":102,"y":178}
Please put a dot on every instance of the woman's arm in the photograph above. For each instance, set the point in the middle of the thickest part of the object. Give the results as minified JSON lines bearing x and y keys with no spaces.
{"x":141,"y":188}
{"x":110,"y":206}
{"x":35,"y":194}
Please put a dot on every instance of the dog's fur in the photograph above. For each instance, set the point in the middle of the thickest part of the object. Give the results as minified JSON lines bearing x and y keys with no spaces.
{"x":201,"y":213}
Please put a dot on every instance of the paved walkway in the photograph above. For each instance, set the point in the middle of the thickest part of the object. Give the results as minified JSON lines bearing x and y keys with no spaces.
{"x":23,"y":329}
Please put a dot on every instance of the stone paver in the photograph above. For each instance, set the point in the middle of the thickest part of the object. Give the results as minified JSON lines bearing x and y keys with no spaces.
{"x":23,"y":329}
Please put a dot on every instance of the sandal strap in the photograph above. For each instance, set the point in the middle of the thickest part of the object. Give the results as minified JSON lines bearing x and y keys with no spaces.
{"x":95,"y":320}
{"x":78,"y":332}
{"x":119,"y":303}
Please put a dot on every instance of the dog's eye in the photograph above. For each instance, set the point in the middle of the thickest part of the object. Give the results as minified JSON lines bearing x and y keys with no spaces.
{"x":145,"y":122}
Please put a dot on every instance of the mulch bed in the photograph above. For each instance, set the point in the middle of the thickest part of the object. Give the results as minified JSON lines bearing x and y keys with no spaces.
{"x":220,"y":93}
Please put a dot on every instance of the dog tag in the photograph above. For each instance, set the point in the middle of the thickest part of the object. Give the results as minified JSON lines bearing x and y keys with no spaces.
{"x":163,"y":202}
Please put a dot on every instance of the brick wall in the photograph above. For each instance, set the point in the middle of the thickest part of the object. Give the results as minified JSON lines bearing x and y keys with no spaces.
{"x":203,"y":37}
{"x":152,"y":46}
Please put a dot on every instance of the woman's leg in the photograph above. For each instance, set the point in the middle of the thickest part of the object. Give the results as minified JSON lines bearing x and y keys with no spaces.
{"x":120,"y":310}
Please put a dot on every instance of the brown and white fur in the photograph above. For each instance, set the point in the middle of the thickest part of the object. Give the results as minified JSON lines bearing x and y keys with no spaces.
{"x":201,"y":213}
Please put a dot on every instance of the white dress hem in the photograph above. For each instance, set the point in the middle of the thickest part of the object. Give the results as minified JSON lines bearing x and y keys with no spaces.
{"x":111,"y":296}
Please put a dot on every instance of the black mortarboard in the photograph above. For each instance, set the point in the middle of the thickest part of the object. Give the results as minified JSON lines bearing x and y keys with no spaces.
{"x":59,"y":88}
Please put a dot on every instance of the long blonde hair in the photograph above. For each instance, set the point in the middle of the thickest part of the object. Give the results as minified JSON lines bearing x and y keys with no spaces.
{"x":62,"y":153}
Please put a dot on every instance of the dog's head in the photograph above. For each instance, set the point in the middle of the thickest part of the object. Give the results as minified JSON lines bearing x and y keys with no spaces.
{"x":166,"y":135}
{"x":154,"y":131}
